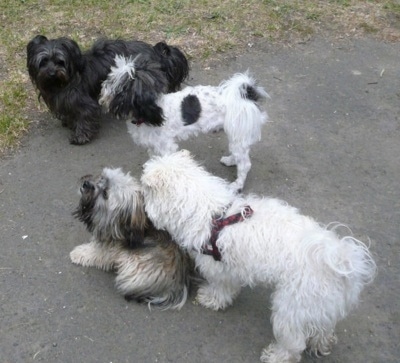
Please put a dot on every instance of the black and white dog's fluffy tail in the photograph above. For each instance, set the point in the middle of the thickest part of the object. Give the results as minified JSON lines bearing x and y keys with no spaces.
{"x":242,"y":122}
{"x":243,"y":118}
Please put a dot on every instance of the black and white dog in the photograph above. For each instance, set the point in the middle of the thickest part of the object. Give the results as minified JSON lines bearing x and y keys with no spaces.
{"x":69,"y":81}
{"x":234,"y":105}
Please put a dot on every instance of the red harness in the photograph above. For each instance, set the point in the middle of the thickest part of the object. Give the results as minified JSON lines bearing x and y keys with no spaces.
{"x":218,"y":224}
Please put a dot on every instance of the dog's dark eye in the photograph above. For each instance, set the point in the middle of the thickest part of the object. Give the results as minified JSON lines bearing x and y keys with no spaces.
{"x":43,"y":62}
{"x":61,"y":63}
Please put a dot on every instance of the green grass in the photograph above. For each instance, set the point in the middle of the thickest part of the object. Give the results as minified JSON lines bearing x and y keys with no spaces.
{"x":205,"y":29}
{"x":13,"y":122}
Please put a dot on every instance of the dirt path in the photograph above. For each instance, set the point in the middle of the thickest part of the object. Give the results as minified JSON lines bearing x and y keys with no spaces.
{"x":332,"y":149}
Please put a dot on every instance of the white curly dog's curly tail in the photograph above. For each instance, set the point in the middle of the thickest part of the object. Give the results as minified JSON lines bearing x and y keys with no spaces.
{"x":347,"y":258}
{"x":355,"y":263}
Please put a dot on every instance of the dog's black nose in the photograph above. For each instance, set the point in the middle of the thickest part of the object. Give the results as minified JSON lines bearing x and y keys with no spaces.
{"x":87,"y":185}
{"x":51,"y":71}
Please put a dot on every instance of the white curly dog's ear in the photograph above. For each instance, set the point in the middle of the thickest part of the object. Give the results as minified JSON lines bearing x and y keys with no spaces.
{"x":157,"y":172}
{"x":153,"y":178}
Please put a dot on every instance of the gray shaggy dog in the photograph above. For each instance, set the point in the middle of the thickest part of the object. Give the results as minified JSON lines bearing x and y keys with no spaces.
{"x":150,"y":267}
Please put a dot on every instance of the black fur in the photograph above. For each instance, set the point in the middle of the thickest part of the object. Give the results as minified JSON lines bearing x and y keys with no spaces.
{"x":191,"y":109}
{"x":251,"y":94}
{"x":137,"y":97}
{"x":176,"y":71}
{"x":84,"y":211}
{"x":69,"y":81}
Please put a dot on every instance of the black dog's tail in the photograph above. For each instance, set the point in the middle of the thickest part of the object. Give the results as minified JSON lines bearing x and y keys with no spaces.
{"x":132,"y":88}
{"x":174,"y":64}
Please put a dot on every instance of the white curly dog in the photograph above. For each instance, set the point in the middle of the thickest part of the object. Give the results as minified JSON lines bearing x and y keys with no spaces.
{"x":317,"y":276}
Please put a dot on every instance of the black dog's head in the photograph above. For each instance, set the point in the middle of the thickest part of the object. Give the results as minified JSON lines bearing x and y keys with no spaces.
{"x":53,"y":63}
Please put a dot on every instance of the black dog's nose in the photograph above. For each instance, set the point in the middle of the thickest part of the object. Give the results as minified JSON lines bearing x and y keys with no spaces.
{"x":87,"y":185}
{"x":51,"y":71}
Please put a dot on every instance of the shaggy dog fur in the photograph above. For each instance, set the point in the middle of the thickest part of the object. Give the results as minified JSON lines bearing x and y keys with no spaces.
{"x":317,"y":275}
{"x":234,"y":105}
{"x":150,"y":267}
{"x":69,"y":81}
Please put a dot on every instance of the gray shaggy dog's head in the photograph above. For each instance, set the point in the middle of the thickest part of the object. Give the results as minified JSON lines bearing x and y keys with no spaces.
{"x":111,"y":207}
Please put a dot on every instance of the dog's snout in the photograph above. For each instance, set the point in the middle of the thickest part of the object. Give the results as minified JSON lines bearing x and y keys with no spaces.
{"x":87,"y":185}
{"x":51,"y":71}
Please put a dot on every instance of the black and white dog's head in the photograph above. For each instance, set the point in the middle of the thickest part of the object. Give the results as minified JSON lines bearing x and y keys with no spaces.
{"x":111,"y":207}
{"x":132,"y":88}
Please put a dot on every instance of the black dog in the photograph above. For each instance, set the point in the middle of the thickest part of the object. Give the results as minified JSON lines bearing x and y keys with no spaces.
{"x":69,"y":81}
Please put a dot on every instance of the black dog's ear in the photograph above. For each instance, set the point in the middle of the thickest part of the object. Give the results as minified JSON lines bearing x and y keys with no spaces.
{"x":71,"y":46}
{"x":32,"y":48}
{"x":39,"y":39}
{"x":72,"y":49}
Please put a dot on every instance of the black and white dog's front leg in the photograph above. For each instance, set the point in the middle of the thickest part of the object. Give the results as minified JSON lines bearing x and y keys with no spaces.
{"x":239,"y":157}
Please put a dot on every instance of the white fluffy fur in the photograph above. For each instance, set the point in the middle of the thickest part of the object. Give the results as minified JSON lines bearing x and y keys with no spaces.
{"x":317,"y":275}
{"x":224,"y":106}
{"x":116,"y":76}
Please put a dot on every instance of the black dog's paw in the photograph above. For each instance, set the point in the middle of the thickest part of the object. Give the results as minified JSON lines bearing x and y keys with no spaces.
{"x":80,"y":139}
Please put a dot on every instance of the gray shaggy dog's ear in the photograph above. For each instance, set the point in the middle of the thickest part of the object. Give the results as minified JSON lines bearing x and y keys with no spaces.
{"x":135,"y":224}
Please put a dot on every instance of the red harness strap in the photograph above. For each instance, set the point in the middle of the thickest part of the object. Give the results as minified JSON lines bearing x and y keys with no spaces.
{"x":218,"y":224}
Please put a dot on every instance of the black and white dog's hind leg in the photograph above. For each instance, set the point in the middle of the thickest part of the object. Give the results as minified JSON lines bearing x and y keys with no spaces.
{"x":243,"y":122}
